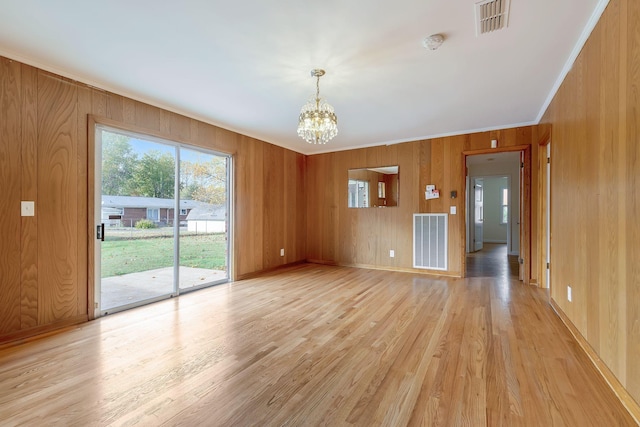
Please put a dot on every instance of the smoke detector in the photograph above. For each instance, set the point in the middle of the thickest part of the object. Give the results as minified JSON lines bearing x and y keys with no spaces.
{"x":433,"y":41}
{"x":491,"y":15}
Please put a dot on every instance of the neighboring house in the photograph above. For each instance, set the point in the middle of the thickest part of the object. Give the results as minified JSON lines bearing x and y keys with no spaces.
{"x":206,"y":218}
{"x":125,"y":211}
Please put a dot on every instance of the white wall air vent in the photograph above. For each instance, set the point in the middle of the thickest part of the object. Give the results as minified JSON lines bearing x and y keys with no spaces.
{"x":430,"y":241}
{"x":491,"y":15}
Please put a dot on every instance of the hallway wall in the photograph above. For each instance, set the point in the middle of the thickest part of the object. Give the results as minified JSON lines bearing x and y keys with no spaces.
{"x":595,"y":193}
{"x":494,"y":231}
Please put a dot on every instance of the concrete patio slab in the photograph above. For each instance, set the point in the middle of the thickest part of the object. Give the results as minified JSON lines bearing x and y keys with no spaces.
{"x":130,"y":288}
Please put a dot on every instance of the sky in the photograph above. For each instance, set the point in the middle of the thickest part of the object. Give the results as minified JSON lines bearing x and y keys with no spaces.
{"x":140,"y":146}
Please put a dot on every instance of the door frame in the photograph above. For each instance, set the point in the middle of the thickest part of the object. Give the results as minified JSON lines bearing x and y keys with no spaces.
{"x":524,"y":260}
{"x":92,"y":122}
{"x":544,"y":272}
{"x":471,"y":213}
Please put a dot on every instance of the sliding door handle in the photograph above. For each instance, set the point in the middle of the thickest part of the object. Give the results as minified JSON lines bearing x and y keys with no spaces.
{"x":100,"y":232}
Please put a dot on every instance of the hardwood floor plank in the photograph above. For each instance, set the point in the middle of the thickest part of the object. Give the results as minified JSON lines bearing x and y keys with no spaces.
{"x":316,"y":345}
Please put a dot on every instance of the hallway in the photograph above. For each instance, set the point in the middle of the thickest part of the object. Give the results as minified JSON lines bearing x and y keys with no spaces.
{"x":492,"y":261}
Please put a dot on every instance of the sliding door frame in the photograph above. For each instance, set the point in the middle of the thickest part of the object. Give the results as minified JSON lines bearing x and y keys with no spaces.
{"x":93,"y":123}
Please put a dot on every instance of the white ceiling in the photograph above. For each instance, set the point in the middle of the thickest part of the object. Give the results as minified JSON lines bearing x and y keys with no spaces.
{"x":244,"y":65}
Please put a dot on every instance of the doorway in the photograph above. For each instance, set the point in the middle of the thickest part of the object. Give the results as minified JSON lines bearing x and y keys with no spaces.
{"x":493,"y":213}
{"x":162,"y":219}
{"x":476,"y":212}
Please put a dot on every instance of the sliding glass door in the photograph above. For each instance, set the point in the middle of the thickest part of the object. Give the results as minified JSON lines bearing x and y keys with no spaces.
{"x":162,"y":218}
{"x":204,"y":219}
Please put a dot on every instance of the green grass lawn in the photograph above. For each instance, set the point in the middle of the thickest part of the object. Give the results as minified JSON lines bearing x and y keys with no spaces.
{"x":134,"y":255}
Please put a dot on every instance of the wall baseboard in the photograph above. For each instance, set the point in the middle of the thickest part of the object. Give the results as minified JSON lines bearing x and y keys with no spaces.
{"x":320,"y":261}
{"x":504,"y":242}
{"x":405,"y":270}
{"x":27,"y":335}
{"x":267,"y":270}
{"x":618,"y":389}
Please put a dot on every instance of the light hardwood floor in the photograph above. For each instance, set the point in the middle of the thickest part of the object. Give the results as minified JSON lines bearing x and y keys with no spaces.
{"x":316,"y":345}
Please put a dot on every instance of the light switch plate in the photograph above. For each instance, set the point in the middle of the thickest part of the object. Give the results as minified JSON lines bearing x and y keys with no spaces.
{"x":392,"y":253}
{"x":452,"y":210}
{"x":27,"y":208}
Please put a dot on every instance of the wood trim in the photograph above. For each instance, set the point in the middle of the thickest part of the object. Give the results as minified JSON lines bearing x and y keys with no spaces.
{"x":526,"y":217}
{"x":432,"y":273}
{"x":91,"y":213}
{"x":321,"y":262}
{"x":542,"y":212}
{"x":619,"y":390}
{"x":260,"y":273}
{"x":545,"y":135}
{"x":463,"y":211}
{"x":129,"y":127}
{"x":507,"y":149}
{"x":28,"y":335}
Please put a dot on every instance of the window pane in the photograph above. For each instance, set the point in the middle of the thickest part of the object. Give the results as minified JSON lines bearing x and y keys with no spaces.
{"x":153,"y":214}
{"x":358,"y":193}
{"x":505,"y":197}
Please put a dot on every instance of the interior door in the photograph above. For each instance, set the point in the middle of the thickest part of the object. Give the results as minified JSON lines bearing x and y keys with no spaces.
{"x":478,"y":217}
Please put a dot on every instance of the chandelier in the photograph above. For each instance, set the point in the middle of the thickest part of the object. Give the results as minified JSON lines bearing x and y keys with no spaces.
{"x":318,"y":122}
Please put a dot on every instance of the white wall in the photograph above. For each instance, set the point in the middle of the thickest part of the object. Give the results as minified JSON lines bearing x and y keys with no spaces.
{"x":511,"y":170}
{"x":493,"y":230}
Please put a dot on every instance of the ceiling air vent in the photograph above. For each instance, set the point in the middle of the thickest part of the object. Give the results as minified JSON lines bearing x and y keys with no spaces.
{"x":491,"y":15}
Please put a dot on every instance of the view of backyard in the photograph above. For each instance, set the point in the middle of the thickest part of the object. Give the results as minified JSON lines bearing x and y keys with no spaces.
{"x":130,"y":250}
{"x":148,"y":186}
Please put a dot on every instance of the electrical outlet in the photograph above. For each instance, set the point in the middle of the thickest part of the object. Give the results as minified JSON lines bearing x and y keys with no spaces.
{"x":392,"y":253}
{"x":282,"y":252}
{"x":569,"y":293}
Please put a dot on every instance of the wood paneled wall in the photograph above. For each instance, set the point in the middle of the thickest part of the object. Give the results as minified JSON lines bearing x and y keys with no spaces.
{"x":44,"y":157}
{"x":595,"y":192}
{"x":363,"y":237}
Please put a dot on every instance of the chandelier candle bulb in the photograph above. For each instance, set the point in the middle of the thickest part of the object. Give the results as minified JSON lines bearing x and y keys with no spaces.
{"x":318,"y":122}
